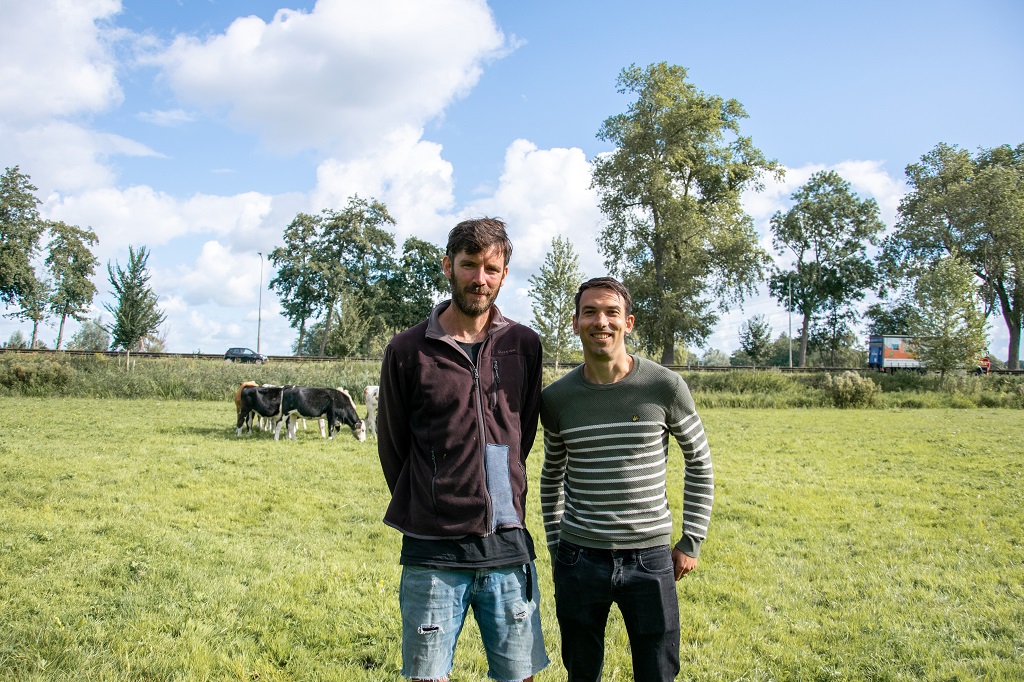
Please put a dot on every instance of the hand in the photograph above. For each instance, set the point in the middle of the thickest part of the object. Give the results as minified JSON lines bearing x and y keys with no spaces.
{"x":682,"y":563}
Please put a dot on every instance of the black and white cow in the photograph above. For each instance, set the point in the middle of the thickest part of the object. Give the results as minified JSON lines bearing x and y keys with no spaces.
{"x":334,"y":404}
{"x":264,"y":401}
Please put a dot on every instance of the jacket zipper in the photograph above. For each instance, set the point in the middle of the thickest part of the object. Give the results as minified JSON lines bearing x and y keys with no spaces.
{"x":483,"y":441}
{"x":433,"y":481}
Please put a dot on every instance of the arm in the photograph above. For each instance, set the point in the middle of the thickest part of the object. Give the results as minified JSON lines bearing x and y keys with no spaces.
{"x":552,"y":487}
{"x":392,"y":416}
{"x":698,"y":483}
{"x":531,"y":400}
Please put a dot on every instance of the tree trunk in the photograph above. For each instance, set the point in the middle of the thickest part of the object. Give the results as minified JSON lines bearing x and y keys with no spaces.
{"x":60,"y":331}
{"x":302,"y":336}
{"x":804,"y":334}
{"x":327,"y":330}
{"x":668,"y":353}
{"x":1013,"y":356}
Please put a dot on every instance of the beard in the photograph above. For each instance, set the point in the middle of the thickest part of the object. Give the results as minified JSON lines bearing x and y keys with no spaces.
{"x":471,"y":306}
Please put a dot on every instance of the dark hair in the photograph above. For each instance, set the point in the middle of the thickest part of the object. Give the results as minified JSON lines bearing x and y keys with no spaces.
{"x":479,"y":234}
{"x":606,"y":283}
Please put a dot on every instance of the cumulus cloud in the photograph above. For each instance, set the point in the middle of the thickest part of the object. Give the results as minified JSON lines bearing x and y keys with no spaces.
{"x":54,"y":59}
{"x":341,"y":76}
{"x":406,"y":173}
{"x":143,"y":215}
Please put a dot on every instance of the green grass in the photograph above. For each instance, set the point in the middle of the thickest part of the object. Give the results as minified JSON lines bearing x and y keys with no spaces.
{"x":141,"y":540}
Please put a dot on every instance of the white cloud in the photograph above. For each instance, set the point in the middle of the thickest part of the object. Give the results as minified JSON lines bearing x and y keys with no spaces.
{"x":142,"y":215}
{"x":167,"y":119}
{"x":58,"y":154}
{"x":341,"y":76}
{"x":54,"y":60}
{"x":407,"y":174}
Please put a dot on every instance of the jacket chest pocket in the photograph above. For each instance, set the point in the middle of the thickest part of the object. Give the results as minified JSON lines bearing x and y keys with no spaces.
{"x":506,"y":381}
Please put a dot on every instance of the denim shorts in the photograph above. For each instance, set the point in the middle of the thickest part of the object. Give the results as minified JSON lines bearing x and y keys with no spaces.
{"x":434,"y":605}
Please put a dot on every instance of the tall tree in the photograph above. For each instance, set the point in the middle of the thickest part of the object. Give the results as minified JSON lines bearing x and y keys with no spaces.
{"x":826,"y":231}
{"x":71,"y":264}
{"x":355,"y":255}
{"x":972,"y":207}
{"x":756,"y":338}
{"x":296,"y":281}
{"x":676,"y":233}
{"x":553,"y":291}
{"x":20,"y":231}
{"x":136,"y":315}
{"x":950,"y":322}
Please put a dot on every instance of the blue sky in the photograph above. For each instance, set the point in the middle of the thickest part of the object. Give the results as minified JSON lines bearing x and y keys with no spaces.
{"x":199,"y":130}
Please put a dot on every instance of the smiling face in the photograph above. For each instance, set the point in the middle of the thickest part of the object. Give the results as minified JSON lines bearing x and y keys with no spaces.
{"x":602,"y":324}
{"x":476,"y":279}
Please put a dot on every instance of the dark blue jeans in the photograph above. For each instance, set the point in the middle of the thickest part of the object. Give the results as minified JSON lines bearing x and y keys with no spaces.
{"x":642,"y":583}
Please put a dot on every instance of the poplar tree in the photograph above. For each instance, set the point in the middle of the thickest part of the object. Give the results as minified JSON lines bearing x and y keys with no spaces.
{"x":676,"y":233}
{"x":136,"y":315}
{"x":553,"y":291}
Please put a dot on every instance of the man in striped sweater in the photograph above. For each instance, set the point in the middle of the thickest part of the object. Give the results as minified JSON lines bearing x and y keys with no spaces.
{"x":607,"y":426}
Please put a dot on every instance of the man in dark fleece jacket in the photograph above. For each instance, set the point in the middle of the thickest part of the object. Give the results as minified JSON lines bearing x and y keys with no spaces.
{"x":459,"y":404}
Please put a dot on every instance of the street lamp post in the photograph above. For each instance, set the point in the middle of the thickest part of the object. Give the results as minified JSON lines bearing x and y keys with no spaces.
{"x":259,"y":311}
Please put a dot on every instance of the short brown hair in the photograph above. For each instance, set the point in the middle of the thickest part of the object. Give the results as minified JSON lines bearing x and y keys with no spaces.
{"x":479,"y":234}
{"x":606,"y":283}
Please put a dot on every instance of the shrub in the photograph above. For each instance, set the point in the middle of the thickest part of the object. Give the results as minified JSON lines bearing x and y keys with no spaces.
{"x":850,"y":389}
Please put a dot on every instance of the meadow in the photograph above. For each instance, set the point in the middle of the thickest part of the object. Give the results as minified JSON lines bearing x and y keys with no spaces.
{"x":142,"y":540}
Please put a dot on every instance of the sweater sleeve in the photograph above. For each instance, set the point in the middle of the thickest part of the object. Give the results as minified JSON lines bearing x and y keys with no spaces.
{"x":393,"y":438}
{"x":552,"y":480}
{"x":699,"y":482}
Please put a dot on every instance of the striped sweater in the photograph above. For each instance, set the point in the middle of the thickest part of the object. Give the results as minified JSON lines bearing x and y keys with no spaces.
{"x":606,"y":446}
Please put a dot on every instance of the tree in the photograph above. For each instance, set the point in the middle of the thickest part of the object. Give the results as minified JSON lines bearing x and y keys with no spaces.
{"x":973,"y":208}
{"x":355,"y":255}
{"x":20,"y":231}
{"x":714,"y":358}
{"x":296,"y":281}
{"x":950,"y":324}
{"x":676,"y":233}
{"x":71,"y":264}
{"x":553,"y":291}
{"x":92,"y":335}
{"x":16,"y":340}
{"x":826,"y":231}
{"x":832,"y":331}
{"x":894,"y":315}
{"x":32,"y":301}
{"x":756,"y":338}
{"x":417,"y":286}
{"x":136,"y":315}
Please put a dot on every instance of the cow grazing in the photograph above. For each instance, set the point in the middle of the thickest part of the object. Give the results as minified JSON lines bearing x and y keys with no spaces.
{"x":334,"y":404}
{"x":264,"y":401}
{"x":238,"y":399}
{"x":371,"y":396}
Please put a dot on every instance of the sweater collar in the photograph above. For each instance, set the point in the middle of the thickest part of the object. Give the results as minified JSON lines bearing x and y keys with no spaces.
{"x":436,"y":331}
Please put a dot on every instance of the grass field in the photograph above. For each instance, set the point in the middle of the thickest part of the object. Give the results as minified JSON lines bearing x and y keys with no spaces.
{"x":141,"y":540}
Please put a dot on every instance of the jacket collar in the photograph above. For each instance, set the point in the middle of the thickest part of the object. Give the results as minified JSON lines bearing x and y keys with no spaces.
{"x":436,"y":331}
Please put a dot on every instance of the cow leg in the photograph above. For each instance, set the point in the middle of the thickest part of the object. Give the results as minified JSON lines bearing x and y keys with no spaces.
{"x":321,"y":421}
{"x":330,"y":426}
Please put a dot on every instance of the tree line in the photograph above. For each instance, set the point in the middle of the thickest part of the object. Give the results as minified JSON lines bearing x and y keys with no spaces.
{"x":675,"y":233}
{"x":677,"y":236}
{"x":60,"y":287}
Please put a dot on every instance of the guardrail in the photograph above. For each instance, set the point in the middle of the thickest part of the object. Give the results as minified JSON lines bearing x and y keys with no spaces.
{"x":567,"y":365}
